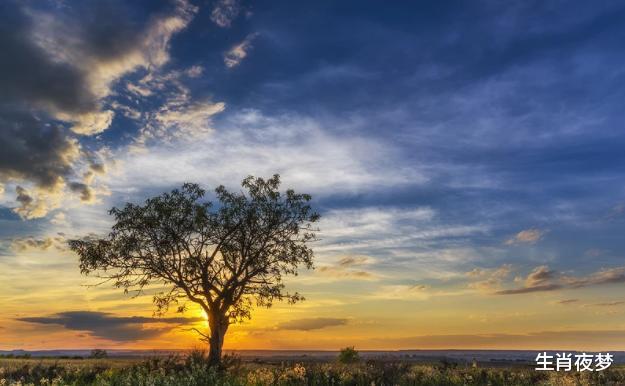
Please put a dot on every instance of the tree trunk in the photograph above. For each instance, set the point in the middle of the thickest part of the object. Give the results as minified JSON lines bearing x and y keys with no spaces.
{"x":218,"y":325}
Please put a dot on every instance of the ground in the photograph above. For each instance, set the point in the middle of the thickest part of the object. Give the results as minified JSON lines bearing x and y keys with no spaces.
{"x":193,"y":370}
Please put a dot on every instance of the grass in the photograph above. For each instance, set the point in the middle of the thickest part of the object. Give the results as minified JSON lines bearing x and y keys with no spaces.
{"x":193,"y":371}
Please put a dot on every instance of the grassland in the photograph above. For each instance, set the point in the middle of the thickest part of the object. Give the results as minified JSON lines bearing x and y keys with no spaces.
{"x":193,"y":371}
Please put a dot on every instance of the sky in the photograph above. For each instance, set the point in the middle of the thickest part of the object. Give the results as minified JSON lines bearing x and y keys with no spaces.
{"x":466,"y":158}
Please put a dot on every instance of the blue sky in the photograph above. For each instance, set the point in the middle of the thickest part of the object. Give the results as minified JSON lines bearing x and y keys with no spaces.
{"x":450,"y":146}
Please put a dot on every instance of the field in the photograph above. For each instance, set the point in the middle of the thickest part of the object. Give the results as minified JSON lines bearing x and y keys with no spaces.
{"x":192,"y":370}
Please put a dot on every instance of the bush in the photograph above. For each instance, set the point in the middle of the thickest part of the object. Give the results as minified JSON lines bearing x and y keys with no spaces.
{"x":349,"y":355}
{"x":98,"y":354}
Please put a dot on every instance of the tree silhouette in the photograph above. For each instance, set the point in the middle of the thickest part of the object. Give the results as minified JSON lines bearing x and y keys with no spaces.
{"x":223,"y":258}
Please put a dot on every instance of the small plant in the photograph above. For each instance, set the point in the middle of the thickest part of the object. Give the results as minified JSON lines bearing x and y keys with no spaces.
{"x":348,"y":355}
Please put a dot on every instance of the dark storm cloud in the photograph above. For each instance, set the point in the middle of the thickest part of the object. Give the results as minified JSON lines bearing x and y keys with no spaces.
{"x":28,"y":75}
{"x":32,"y":150}
{"x":107,"y":326}
{"x":58,"y":64}
{"x":31,"y":80}
{"x":106,"y":29}
{"x":31,"y":76}
{"x":110,"y":29}
{"x":309,"y":324}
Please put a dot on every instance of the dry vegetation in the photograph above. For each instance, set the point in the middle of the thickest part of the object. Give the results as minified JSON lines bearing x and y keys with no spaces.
{"x":194,"y":370}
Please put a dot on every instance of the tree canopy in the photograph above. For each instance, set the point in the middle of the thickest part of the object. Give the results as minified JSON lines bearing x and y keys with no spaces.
{"x":224,"y":257}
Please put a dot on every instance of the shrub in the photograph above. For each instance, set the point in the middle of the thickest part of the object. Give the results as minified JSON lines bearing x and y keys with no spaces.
{"x":348,"y":355}
{"x":98,"y":354}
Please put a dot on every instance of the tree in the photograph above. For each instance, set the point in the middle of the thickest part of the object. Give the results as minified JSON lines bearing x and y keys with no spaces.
{"x":224,"y":258}
{"x":98,"y":354}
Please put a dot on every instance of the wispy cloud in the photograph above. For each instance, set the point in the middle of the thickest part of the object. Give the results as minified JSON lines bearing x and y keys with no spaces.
{"x":186,"y":120}
{"x":527,"y":236}
{"x":616,"y":211}
{"x":225,"y":11}
{"x":404,"y":292}
{"x":379,"y":231}
{"x":307,"y":156}
{"x":309,"y":324}
{"x":348,"y":267}
{"x":238,"y":52}
{"x":609,"y":304}
{"x":542,"y":279}
{"x":488,"y":280}
{"x":568,"y":301}
{"x":38,"y":244}
{"x":604,"y":276}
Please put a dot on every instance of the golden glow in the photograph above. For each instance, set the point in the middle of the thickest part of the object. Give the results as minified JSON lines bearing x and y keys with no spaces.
{"x":363,"y":313}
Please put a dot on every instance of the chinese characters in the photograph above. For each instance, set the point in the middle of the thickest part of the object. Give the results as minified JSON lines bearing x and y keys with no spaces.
{"x":567,"y":361}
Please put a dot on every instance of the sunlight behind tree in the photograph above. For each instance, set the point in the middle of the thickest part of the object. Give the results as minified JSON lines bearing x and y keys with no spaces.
{"x":225,"y":258}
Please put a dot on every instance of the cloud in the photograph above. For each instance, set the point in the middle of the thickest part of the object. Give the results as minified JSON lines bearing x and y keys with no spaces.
{"x":194,"y":71}
{"x":29,"y":74}
{"x":347,"y":268}
{"x":307,"y":156}
{"x":34,"y":152}
{"x":371,"y":220}
{"x":616,"y":211}
{"x":539,"y":279}
{"x":567,"y":301}
{"x":609,"y":304}
{"x":85,"y":191}
{"x":187,"y":120}
{"x":542,"y":279}
{"x":540,"y":276}
{"x":350,"y":261}
{"x":26,"y":244}
{"x":138,"y":89}
{"x":180,"y":119}
{"x":309,"y":324}
{"x":59,"y":67}
{"x":402,"y":292}
{"x":528,"y":236}
{"x":38,"y":204}
{"x":525,"y":290}
{"x":238,"y":52}
{"x":108,"y":326}
{"x":89,"y":123}
{"x":337,"y":272}
{"x":24,"y":198}
{"x":107,"y":42}
{"x":224,"y":12}
{"x":604,"y":276}
{"x":59,"y":219}
{"x":488,"y":280}
{"x":375,"y":230}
